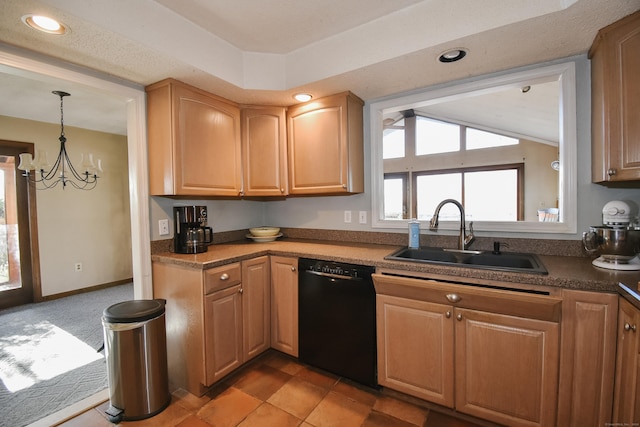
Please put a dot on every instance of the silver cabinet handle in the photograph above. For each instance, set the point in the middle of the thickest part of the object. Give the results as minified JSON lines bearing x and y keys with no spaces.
{"x":453,"y":297}
{"x":240,"y":290}
{"x":459,"y":317}
{"x":628,"y":327}
{"x":293,"y":269}
{"x":224,"y":277}
{"x":611,"y":172}
{"x":448,"y":315}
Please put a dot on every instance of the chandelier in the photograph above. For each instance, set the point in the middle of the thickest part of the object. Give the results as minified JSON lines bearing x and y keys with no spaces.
{"x":63,"y":170}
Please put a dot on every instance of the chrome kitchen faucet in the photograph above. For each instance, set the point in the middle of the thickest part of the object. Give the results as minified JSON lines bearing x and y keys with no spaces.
{"x":464,"y":241}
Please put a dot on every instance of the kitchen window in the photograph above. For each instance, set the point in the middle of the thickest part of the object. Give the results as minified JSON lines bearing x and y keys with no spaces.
{"x":431,"y":151}
{"x":488,"y":194}
{"x":543,"y":126}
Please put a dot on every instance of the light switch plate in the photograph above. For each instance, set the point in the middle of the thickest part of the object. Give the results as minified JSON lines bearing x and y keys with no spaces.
{"x":363,"y":217}
{"x":347,"y":216}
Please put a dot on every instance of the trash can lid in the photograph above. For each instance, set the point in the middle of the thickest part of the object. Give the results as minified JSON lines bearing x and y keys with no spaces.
{"x":134,"y":311}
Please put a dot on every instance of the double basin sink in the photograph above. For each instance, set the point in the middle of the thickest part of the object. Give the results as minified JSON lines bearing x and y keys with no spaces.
{"x":487,"y":260}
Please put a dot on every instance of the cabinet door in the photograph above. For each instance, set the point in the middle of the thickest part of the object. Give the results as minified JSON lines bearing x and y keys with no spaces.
{"x":615,"y":101}
{"x":587,"y":358}
{"x":194,"y":142}
{"x":223,"y":332}
{"x":626,"y":408}
{"x":415,"y":348}
{"x":264,"y":151}
{"x":284,"y":304}
{"x":256,"y":306}
{"x":208,"y":160}
{"x":325,"y":146}
{"x":506,"y":368}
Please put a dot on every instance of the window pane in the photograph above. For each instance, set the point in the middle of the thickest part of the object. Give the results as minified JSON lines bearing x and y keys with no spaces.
{"x":432,"y":189}
{"x":491,"y":195}
{"x":433,"y":137}
{"x":480,"y":139}
{"x":393,"y":142}
{"x":393,"y":198}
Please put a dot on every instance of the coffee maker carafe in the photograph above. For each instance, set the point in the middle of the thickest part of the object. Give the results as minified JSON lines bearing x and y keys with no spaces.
{"x":191,"y":234}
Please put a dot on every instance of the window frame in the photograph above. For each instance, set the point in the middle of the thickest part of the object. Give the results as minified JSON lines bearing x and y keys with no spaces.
{"x":564,"y":71}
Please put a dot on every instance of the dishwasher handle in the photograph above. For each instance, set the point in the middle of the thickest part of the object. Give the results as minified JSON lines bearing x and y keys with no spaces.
{"x":333,"y":276}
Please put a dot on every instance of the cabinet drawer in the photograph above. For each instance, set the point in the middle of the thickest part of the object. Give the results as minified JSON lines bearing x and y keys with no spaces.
{"x":221,"y":277}
{"x":511,"y":302}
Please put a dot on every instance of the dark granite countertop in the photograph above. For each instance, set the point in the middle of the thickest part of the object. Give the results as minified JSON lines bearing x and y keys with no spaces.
{"x":565,"y":272}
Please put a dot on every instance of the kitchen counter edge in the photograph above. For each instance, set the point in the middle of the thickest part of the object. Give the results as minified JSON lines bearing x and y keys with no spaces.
{"x":575,"y":273}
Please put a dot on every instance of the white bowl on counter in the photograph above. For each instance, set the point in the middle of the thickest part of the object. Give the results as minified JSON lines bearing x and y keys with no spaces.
{"x":264,"y":231}
{"x":263,"y":239}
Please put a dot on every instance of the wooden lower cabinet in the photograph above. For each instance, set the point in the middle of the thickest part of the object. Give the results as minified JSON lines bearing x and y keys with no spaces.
{"x":587,"y":358}
{"x":284,"y":304}
{"x":488,"y":362}
{"x":256,"y":306}
{"x":506,"y":368}
{"x":217,"y":319}
{"x":626,"y":405}
{"x":223,"y":332}
{"x":237,"y":319}
{"x":415,"y":348}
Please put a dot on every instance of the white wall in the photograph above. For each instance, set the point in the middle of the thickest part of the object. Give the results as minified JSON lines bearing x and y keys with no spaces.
{"x":328,"y":212}
{"x":90,"y":227}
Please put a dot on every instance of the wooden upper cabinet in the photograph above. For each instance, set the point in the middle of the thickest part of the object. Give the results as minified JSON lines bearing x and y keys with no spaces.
{"x":194,"y":142}
{"x":325,"y":144}
{"x":264,"y":151}
{"x":615,"y":99}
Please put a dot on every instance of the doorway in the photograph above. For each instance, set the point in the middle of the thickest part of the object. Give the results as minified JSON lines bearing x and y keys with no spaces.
{"x":19,"y":278}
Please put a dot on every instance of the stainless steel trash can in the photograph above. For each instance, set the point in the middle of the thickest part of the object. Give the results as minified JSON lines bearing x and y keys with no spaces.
{"x":136,"y":354}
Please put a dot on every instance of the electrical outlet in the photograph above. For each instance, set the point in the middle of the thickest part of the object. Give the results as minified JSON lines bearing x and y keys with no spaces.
{"x":163,"y":226}
{"x":347,"y":216}
{"x":363,"y":217}
{"x":78,"y":267}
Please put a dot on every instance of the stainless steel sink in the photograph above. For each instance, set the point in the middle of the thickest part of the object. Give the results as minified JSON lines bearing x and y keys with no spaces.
{"x":502,"y":261}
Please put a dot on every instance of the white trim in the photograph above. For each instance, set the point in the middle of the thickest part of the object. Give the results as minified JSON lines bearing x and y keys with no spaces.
{"x":568,"y":202}
{"x":137,"y":150}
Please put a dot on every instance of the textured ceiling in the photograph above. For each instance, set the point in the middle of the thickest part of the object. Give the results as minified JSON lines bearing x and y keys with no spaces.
{"x":263,"y":51}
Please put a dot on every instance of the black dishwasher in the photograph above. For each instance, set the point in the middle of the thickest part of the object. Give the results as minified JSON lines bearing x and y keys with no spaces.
{"x":337,"y":319}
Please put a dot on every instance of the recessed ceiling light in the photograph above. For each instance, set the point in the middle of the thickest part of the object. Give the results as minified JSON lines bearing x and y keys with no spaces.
{"x":452,"y":55}
{"x":45,"y":24}
{"x":302,"y":97}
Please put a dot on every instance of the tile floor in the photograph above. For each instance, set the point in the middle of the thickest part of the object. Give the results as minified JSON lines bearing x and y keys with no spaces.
{"x":276,"y":390}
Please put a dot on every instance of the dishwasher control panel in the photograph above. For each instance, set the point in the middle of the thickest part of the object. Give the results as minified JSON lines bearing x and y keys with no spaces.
{"x":335,"y":268}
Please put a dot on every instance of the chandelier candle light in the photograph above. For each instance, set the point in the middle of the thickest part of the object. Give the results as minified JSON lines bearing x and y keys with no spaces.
{"x":59,"y":173}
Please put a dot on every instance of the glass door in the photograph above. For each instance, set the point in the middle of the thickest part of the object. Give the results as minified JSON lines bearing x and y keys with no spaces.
{"x":17,"y":219}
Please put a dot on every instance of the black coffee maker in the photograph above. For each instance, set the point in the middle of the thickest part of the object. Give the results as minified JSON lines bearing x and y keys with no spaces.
{"x":191,"y":234}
